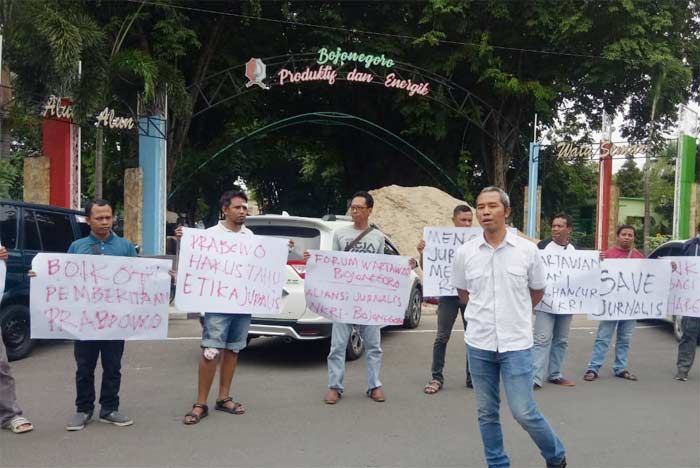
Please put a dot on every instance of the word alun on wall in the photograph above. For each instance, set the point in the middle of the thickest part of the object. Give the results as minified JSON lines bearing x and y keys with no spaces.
{"x":567,"y":150}
{"x":61,"y":108}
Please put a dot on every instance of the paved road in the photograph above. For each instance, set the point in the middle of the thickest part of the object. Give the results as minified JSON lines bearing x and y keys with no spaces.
{"x":608,"y":423}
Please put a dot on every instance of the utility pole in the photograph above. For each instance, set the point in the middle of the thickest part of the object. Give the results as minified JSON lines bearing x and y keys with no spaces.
{"x":651,"y":147}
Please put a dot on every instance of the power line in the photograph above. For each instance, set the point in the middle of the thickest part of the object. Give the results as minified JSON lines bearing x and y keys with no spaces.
{"x":381,"y":34}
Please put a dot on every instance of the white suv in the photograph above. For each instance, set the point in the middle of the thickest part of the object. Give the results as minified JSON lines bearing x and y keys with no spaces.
{"x":296,"y":321}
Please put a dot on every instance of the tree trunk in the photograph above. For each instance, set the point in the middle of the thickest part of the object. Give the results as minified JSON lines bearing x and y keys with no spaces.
{"x":98,"y":162}
{"x":181,"y":126}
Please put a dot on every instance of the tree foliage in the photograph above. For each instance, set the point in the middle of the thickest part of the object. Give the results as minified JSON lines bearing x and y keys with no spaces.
{"x":629,"y":179}
{"x":559,"y":59}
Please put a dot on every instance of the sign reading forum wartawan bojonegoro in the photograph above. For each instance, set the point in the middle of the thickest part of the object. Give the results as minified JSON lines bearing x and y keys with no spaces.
{"x":358,"y":288}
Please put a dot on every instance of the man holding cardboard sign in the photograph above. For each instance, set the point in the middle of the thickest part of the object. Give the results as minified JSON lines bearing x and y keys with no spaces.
{"x":551,"y":333}
{"x":100,"y":241}
{"x":224,"y":335}
{"x":447,"y":311}
{"x":623,"y":249}
{"x":691,"y":325}
{"x":360,"y":237}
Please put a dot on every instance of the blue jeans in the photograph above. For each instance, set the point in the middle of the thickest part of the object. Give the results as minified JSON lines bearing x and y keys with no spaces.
{"x":225,"y":331}
{"x":371,"y":337}
{"x":622,"y":344}
{"x":515,"y":367}
{"x":551,"y":338}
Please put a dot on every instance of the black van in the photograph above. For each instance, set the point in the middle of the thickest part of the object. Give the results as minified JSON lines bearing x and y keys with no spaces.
{"x":25,"y":230}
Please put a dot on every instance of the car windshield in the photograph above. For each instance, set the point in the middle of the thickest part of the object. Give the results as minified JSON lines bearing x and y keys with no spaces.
{"x":304,"y":238}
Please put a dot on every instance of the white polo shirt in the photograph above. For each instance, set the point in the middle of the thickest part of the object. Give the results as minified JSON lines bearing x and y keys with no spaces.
{"x":222,"y":227}
{"x":554,"y":247}
{"x":499,"y":312}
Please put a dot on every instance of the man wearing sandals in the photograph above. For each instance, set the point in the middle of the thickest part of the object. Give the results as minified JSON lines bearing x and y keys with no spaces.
{"x":223,"y":335}
{"x":551,"y":333}
{"x":624,"y":248}
{"x":500,"y":278}
{"x":10,"y":413}
{"x":447,"y":311}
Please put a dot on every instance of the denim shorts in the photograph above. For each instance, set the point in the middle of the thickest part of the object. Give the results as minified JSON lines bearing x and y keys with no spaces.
{"x":225,"y":331}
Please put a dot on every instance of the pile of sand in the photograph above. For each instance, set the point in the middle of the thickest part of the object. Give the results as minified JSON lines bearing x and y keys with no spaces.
{"x":403,"y":212}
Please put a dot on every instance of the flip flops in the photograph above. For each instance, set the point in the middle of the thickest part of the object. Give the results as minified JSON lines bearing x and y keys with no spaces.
{"x":19,"y":425}
{"x":432,"y":387}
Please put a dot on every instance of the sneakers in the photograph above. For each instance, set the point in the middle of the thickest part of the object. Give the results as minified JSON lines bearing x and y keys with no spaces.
{"x":682,"y":376}
{"x":116,"y":418}
{"x":558,"y":465}
{"x":78,"y":421}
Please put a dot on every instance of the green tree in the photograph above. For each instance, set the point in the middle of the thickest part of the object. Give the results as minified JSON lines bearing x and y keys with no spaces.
{"x":629,"y":178}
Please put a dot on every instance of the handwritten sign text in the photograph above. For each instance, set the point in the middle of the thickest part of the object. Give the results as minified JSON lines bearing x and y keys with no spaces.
{"x":366,"y":289}
{"x":230,"y":273}
{"x":97,"y":297}
{"x":573,"y":281}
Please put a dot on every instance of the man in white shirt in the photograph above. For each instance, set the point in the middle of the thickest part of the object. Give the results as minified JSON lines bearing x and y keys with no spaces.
{"x":223,"y":335}
{"x":500,"y":278}
{"x":551,"y":334}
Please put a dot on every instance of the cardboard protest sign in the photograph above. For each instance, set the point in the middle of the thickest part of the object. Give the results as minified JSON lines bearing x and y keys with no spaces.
{"x":684,"y":296}
{"x":441,"y":244}
{"x":633,"y":289}
{"x":358,"y":288}
{"x":230,"y":273}
{"x":573,"y":281}
{"x":99,"y":297}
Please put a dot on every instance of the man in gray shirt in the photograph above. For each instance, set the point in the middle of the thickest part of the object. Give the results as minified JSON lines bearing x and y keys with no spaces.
{"x":359,"y":237}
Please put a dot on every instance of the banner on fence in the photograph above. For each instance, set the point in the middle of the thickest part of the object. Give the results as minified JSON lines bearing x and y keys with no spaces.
{"x":358,"y":288}
{"x":573,"y":281}
{"x":633,"y":289}
{"x":99,"y":297}
{"x":230,"y":273}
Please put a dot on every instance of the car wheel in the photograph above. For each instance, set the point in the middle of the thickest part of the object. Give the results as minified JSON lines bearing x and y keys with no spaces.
{"x":678,"y":326}
{"x":355,"y":346}
{"x":14,"y":322}
{"x":413,"y":313}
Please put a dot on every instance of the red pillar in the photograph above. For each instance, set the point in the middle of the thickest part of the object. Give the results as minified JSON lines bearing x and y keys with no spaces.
{"x":60,"y":145}
{"x":603,"y":206}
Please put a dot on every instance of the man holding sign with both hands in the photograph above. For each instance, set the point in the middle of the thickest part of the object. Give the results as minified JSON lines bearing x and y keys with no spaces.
{"x":223,"y":335}
{"x":447,"y":311}
{"x":551,"y":333}
{"x":101,"y":241}
{"x":624,"y":249}
{"x":365,"y":239}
